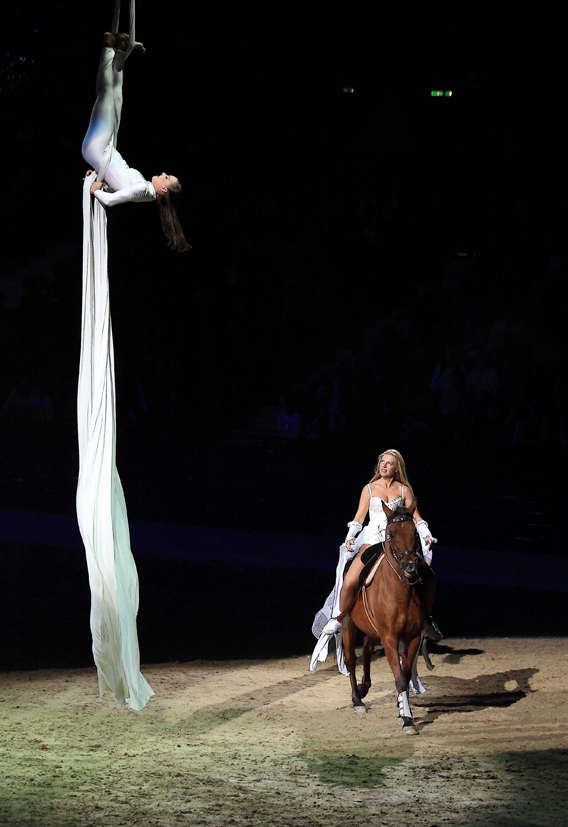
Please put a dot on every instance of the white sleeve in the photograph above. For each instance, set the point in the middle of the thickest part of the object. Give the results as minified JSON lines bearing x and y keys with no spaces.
{"x":423,"y":530}
{"x":133,"y":193}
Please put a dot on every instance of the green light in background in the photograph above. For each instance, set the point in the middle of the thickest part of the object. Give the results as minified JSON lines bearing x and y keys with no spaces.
{"x":448,"y":93}
{"x":437,"y":93}
{"x":348,"y":89}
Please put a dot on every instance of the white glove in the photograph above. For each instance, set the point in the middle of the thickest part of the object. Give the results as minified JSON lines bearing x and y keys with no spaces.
{"x":354,"y":529}
{"x":425,"y":534}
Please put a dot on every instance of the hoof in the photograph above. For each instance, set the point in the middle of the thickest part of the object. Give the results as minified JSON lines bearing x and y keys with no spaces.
{"x":408,"y":726}
{"x":363,"y":689}
{"x":360,"y":709}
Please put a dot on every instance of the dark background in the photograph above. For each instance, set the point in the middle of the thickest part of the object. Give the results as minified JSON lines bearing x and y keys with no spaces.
{"x":369,"y":270}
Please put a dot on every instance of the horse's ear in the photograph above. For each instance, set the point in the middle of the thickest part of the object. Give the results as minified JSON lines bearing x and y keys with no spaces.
{"x":388,"y":511}
{"x":412,"y":507}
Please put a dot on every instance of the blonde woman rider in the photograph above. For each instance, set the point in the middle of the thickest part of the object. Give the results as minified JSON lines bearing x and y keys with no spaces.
{"x":389,"y":485}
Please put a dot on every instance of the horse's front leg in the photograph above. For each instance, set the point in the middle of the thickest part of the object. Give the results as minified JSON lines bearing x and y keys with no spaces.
{"x":391,"y":645}
{"x":401,"y":680}
{"x":408,"y":660}
{"x":349,"y":636}
{"x":368,"y":649}
{"x":405,"y":714}
{"x":424,"y":652}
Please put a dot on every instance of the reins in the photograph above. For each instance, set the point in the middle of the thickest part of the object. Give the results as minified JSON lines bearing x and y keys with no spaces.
{"x":367,"y":612}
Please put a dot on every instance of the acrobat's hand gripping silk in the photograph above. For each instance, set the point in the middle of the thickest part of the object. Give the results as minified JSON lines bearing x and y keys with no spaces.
{"x":101,"y":508}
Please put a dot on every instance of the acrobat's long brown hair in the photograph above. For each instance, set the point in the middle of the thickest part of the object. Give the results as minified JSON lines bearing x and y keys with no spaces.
{"x":170,"y":221}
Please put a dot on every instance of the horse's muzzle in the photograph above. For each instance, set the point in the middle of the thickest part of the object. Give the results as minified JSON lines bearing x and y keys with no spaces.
{"x":409,"y":569}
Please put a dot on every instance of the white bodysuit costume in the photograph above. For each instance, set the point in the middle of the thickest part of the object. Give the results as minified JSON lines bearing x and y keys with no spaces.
{"x":122,"y":182}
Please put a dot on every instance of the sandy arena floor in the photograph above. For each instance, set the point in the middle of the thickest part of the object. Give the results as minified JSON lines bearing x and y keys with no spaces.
{"x":267,"y":743}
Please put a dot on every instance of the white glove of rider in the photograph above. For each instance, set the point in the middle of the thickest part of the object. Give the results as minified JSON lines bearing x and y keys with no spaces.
{"x":425,"y":534}
{"x":354,"y":529}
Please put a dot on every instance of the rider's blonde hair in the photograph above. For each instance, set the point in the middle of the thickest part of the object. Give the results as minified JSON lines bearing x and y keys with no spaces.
{"x":400,"y":474}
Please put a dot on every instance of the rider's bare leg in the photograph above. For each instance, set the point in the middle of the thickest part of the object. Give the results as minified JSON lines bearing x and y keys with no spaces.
{"x":347,"y":596}
{"x":351,"y":581}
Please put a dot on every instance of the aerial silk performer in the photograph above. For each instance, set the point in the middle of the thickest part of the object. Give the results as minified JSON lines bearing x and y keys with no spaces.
{"x":101,"y":507}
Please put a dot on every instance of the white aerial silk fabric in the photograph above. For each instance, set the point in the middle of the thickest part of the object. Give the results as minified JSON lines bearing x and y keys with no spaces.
{"x":101,"y":507}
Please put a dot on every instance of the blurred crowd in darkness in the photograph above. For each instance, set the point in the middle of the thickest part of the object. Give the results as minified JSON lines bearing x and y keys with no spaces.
{"x":493,"y":384}
{"x":477,"y":357}
{"x":333,"y":325}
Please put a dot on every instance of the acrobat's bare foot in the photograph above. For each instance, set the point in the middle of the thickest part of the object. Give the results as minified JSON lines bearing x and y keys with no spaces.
{"x":123,"y":40}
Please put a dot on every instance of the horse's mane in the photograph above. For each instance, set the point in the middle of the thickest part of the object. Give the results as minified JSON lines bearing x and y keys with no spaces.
{"x":399,"y":511}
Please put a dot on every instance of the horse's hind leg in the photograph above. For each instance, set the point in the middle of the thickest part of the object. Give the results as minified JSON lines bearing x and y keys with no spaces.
{"x":368,"y":649}
{"x":349,"y":636}
{"x":424,"y":652}
{"x":415,"y":682}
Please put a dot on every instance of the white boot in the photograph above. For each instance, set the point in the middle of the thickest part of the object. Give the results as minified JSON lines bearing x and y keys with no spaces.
{"x":333,"y":626}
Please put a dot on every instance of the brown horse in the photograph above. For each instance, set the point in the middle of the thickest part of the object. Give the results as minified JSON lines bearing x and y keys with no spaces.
{"x":392,"y":610}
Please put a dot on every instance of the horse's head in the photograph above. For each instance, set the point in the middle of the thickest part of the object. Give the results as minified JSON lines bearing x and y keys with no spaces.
{"x":402,"y":539}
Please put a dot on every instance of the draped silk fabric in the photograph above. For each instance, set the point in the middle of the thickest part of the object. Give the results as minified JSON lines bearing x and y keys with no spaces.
{"x":101,"y":507}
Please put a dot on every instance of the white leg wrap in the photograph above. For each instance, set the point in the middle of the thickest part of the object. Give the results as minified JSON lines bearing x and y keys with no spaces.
{"x":404,"y":706}
{"x":416,"y":685}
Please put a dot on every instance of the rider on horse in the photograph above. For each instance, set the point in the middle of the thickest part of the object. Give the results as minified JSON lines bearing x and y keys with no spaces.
{"x":389,"y":485}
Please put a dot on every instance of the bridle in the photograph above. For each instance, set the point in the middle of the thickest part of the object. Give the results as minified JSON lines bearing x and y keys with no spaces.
{"x":409,"y":568}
